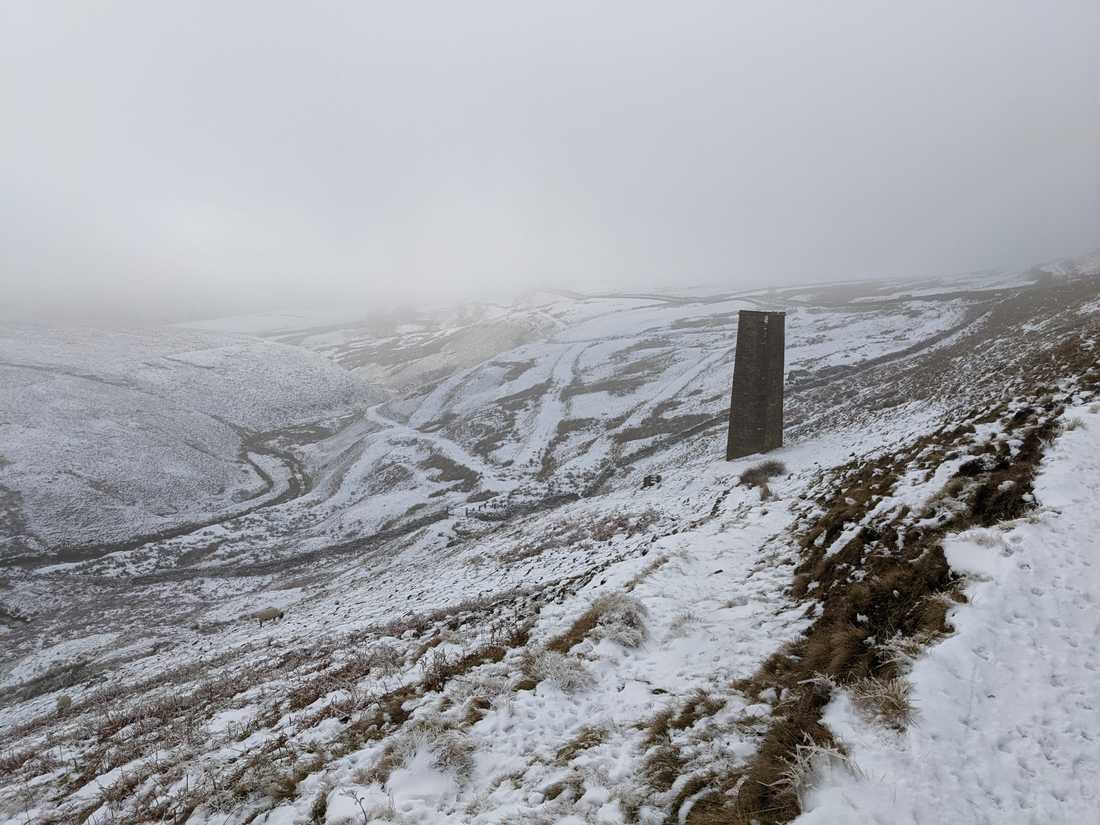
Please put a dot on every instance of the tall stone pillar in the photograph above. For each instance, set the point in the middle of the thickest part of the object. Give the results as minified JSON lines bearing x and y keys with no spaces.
{"x":756,"y":403}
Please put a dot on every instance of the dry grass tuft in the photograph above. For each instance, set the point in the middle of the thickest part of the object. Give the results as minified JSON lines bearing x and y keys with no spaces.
{"x":318,"y":811}
{"x":885,"y":701}
{"x":662,"y":766}
{"x":441,"y":667}
{"x":621,"y":619}
{"x":476,"y":709}
{"x":587,"y":737}
{"x":715,"y":808}
{"x":11,"y":761}
{"x":556,"y":668}
{"x":758,"y":475}
{"x":570,"y":788}
{"x":452,"y":751}
{"x":799,"y":770}
{"x":577,"y":633}
{"x":700,"y":705}
{"x":614,"y":616}
{"x":838,"y":651}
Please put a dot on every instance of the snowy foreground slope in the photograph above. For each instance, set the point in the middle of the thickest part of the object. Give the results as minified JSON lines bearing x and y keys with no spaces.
{"x":1007,"y":714}
{"x":519,"y":586}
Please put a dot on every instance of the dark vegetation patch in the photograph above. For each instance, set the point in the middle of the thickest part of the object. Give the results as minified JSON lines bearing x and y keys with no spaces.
{"x":723,"y":319}
{"x":568,"y":426}
{"x":650,"y":367}
{"x":57,"y":677}
{"x":619,"y":385}
{"x":519,"y":400}
{"x":445,"y":420}
{"x":197,"y":554}
{"x":627,"y":379}
{"x":513,"y":369}
{"x":488,"y":430}
{"x":388,"y":477}
{"x":484,"y":495}
{"x":661,"y":342}
{"x":447,"y":471}
{"x":658,"y":424}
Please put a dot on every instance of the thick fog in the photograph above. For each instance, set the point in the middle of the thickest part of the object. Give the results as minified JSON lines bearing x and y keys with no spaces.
{"x":188,"y":159}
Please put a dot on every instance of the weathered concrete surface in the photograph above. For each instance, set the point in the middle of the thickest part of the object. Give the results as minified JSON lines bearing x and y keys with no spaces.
{"x":756,"y":403}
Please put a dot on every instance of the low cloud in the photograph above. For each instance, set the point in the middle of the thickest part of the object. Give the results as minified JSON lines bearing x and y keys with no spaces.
{"x":161,"y":161}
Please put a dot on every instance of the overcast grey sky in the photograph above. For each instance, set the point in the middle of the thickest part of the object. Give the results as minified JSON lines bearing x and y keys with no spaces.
{"x":171,"y":159}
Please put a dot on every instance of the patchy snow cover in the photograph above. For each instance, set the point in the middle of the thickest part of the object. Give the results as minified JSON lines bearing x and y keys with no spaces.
{"x":52,"y":655}
{"x":1008,"y":715}
{"x":498,"y":407}
{"x":475,"y":514}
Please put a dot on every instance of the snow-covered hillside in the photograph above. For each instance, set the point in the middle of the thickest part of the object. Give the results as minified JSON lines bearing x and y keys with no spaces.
{"x":107,"y":436}
{"x":517,"y":581}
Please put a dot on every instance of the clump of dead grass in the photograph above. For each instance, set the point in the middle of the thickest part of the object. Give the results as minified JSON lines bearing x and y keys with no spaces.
{"x":758,"y":475}
{"x":554,"y":667}
{"x":451,"y":750}
{"x":699,"y":705}
{"x":587,"y":737}
{"x":614,"y":616}
{"x":807,"y":760}
{"x":883,"y":700}
{"x":662,"y":766}
{"x":570,"y":789}
{"x":442,"y":667}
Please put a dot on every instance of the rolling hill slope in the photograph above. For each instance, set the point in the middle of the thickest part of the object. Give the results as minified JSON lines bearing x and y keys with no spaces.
{"x":517,"y":582}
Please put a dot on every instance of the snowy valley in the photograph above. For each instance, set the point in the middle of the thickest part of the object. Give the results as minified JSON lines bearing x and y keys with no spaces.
{"x":510,"y":578}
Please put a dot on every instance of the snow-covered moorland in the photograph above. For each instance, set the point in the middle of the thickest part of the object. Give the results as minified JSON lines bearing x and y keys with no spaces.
{"x":518,"y":584}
